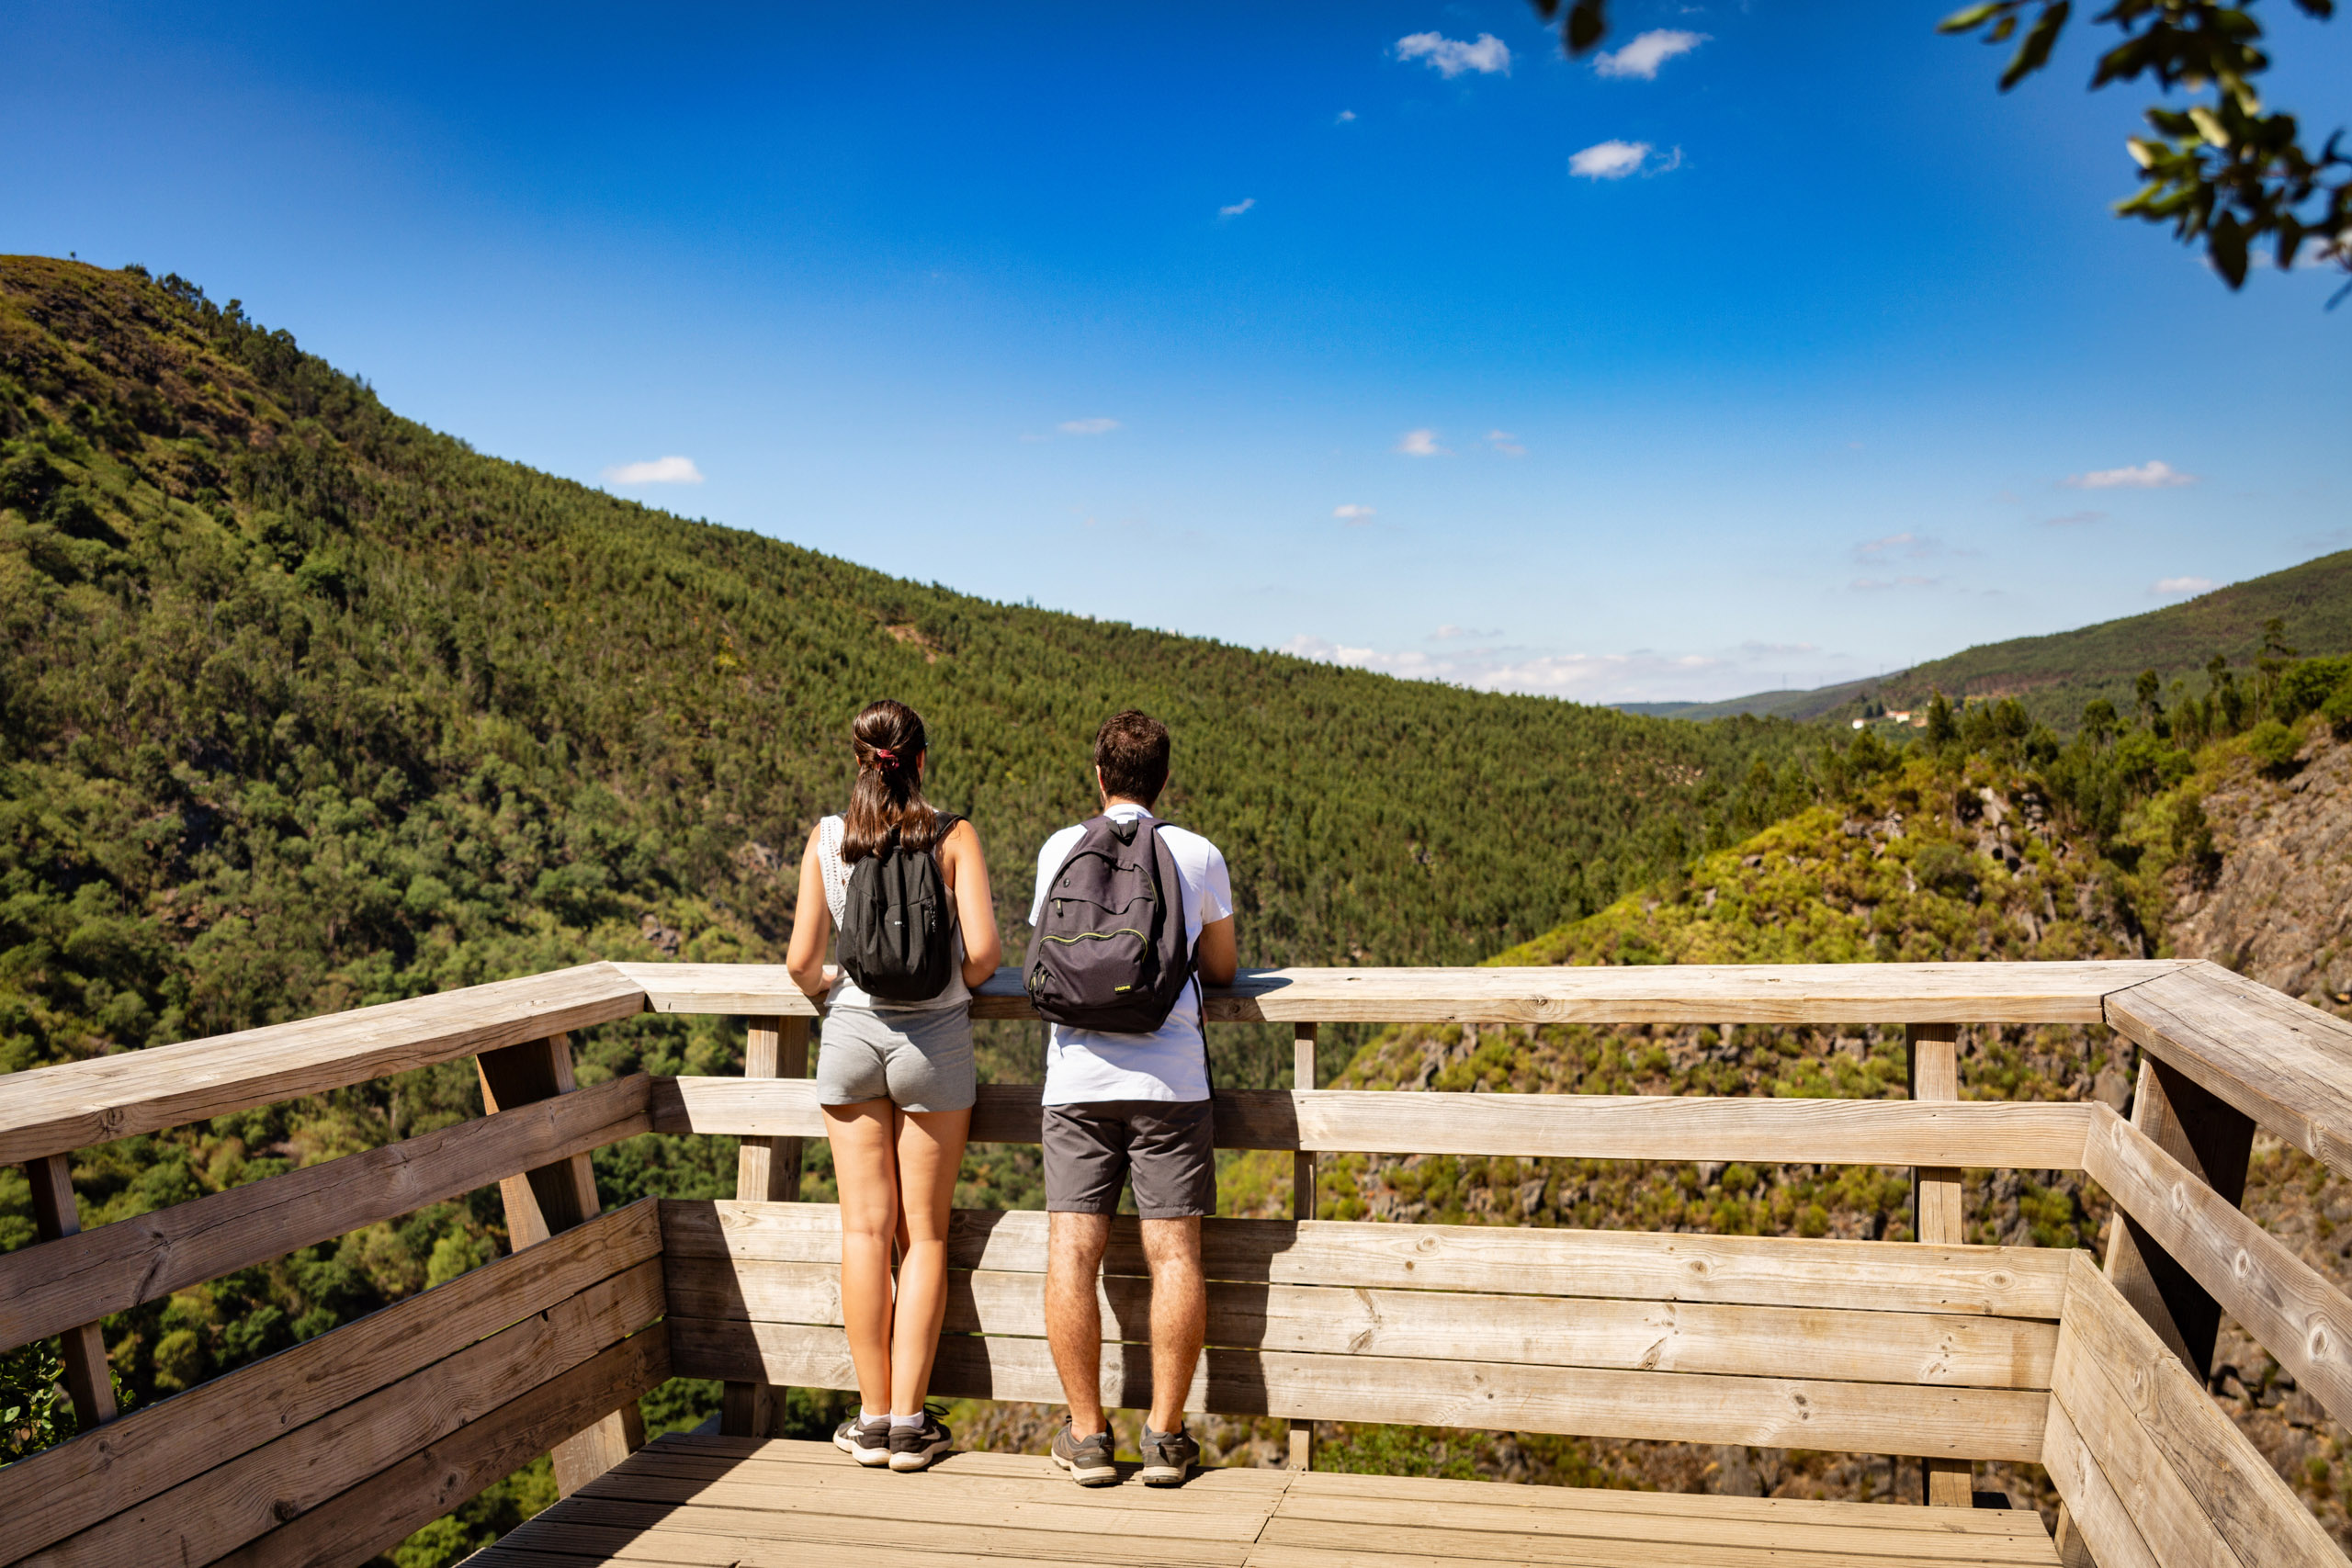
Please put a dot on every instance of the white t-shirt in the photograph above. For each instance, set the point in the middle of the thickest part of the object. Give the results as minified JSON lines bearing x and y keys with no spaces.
{"x":1085,"y":1065}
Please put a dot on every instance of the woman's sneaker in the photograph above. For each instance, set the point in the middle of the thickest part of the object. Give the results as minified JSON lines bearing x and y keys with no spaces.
{"x":1169,"y":1457}
{"x":1088,"y":1459}
{"x":913,"y":1448}
{"x":868,"y":1442}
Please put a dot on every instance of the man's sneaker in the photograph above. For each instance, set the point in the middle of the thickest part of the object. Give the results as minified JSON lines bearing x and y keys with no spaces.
{"x":913,"y":1448}
{"x":1088,"y":1459}
{"x":868,"y":1442}
{"x":1169,"y":1457}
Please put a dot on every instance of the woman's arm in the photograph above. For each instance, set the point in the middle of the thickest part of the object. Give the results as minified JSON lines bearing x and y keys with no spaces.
{"x":968,"y":872}
{"x":812,"y":925}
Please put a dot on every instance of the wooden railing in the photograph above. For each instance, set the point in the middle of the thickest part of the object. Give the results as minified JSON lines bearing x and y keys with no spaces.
{"x":326,"y":1452}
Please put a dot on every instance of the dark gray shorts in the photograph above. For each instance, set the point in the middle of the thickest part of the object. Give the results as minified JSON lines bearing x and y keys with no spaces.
{"x":1166,"y":1145}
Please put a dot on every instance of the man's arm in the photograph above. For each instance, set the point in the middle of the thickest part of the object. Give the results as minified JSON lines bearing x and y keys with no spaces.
{"x":1217,"y":954}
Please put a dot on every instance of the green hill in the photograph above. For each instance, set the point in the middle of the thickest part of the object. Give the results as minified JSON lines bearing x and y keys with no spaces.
{"x":2054,"y":676}
{"x":303,"y":705}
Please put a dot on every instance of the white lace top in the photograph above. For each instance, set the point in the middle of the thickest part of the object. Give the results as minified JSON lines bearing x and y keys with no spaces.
{"x":845,"y":992}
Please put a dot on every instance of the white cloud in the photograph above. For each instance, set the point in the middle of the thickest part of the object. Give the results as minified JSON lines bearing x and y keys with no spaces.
{"x":1648,"y":51}
{"x":1452,"y":634}
{"x":1582,"y":677}
{"x":658,"y":472}
{"x":1095,"y":426}
{"x":1353,"y":515}
{"x":1883,"y":584}
{"x":1609,"y":160}
{"x":2150,"y":474}
{"x":1451,"y":57}
{"x":1504,"y":442}
{"x":2074,"y":519}
{"x":1896,"y":546}
{"x":1420,"y":443}
{"x":1344,"y":115}
{"x":1239,"y":208}
{"x":2169,"y":587}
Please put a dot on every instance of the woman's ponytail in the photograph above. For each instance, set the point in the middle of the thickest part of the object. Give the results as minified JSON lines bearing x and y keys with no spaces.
{"x":889,"y":740}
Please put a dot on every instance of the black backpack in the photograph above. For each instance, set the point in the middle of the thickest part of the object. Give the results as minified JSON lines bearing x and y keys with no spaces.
{"x":898,"y":923}
{"x":1110,"y":952}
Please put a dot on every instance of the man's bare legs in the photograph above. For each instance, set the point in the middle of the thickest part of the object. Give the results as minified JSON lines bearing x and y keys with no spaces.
{"x":1180,"y":1315}
{"x":1074,"y":1315}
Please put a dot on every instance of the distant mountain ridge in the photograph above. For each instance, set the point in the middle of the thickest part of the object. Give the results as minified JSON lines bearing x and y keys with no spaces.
{"x":2055,"y":675}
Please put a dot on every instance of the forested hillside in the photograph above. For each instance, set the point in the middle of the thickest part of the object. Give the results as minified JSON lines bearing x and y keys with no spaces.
{"x":1988,"y":846}
{"x":2056,"y":676}
{"x":303,"y":705}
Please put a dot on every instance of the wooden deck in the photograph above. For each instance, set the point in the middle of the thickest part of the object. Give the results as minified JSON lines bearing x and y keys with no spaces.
{"x":739,"y":1502}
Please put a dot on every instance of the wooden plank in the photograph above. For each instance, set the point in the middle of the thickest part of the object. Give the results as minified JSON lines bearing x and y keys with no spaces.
{"x":549,"y":1199}
{"x":767,"y":1170}
{"x":50,"y":1110}
{"x":55,"y":1285}
{"x":73,"y":1485}
{"x":2255,"y":1511}
{"x":2005,"y":1282}
{"x":1996,"y":1133}
{"x":2283,"y":1301}
{"x":814,"y":1475}
{"x":1409,"y":1513}
{"x":1764,"y":1512}
{"x":1932,"y":1050}
{"x":212,"y":1513}
{"x":956,"y":1507}
{"x":741,"y":990}
{"x":742,"y":1538}
{"x":1853,"y":1345}
{"x":2093,"y":1512}
{"x":1296,"y":1541}
{"x":1667,"y":1406}
{"x":1739,"y":993}
{"x":2212,"y":1142}
{"x":1301,"y":1454}
{"x":2286,"y":1065}
{"x":372,"y":1515}
{"x":89,"y":1381}
{"x":2162,"y":1508}
{"x":1243,"y":1481}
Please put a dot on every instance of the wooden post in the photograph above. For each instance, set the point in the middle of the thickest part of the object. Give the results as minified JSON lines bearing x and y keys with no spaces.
{"x":87,"y":1382}
{"x":767,"y":1170}
{"x":2214,"y":1140}
{"x":539,"y":1203}
{"x":1932,"y":1050}
{"x":1302,"y":1209}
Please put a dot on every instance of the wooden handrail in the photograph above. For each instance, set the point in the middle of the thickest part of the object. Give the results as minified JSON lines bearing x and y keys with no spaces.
{"x":49,"y":1111}
{"x":1995,"y":1134}
{"x":1659,"y":993}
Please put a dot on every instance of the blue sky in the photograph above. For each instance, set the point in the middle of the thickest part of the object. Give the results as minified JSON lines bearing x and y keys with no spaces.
{"x":1383,"y":331}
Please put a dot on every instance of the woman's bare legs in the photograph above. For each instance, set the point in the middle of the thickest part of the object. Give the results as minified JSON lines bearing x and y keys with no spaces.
{"x":865,"y":1169}
{"x":931,"y":1152}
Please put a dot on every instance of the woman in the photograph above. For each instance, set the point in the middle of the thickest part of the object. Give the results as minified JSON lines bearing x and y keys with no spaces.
{"x":897,"y":1085}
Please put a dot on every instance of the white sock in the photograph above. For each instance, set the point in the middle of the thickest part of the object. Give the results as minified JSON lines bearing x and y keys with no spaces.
{"x":906,"y":1422}
{"x":867,"y":1416}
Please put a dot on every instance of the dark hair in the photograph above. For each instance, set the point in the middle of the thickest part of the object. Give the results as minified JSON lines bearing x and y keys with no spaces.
{"x":889,"y":740}
{"x":1130,"y":749}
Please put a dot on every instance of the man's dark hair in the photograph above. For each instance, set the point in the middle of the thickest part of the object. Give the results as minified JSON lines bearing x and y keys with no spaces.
{"x":1130,"y":749}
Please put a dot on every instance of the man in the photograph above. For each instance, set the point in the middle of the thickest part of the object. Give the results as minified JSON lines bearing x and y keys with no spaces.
{"x":1133,"y":1106}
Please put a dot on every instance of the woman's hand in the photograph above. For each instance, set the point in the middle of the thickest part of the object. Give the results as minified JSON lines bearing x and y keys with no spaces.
{"x":812,"y":927}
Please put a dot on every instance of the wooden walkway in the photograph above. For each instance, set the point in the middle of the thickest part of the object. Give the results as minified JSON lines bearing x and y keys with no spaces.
{"x":739,"y":1502}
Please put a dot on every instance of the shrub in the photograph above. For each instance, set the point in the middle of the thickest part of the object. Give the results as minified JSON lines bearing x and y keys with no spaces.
{"x":2273,"y":746}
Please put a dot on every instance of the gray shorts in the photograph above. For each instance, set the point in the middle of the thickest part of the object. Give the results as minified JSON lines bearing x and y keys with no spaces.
{"x":1168,"y":1147}
{"x":917,"y":1059}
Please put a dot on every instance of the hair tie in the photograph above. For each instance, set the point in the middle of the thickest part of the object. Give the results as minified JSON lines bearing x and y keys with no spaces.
{"x":886,"y":759}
